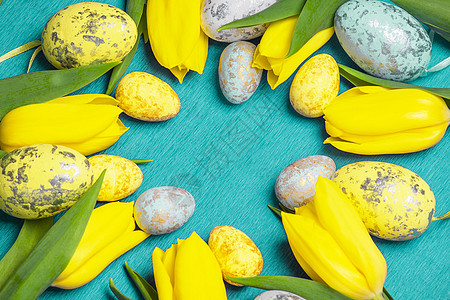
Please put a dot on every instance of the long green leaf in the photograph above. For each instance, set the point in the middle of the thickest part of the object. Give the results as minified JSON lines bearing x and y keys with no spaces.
{"x":146,"y":290}
{"x":37,"y":87}
{"x":116,"y":292}
{"x":141,"y":161}
{"x":433,"y":13}
{"x":315,"y":16}
{"x":303,"y":287}
{"x":359,"y":79}
{"x":3,"y":153}
{"x":30,"y":234}
{"x":277,"y":11}
{"x":20,"y":49}
{"x":135,"y":8}
{"x":53,"y":252}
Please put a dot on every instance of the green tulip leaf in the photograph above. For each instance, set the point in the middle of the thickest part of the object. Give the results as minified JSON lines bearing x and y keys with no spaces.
{"x":141,"y":161}
{"x":116,"y":292}
{"x":146,"y":290}
{"x":275,"y":210}
{"x":360,"y":79}
{"x":277,"y":11}
{"x":3,"y":153}
{"x":315,"y":16}
{"x":305,"y":288}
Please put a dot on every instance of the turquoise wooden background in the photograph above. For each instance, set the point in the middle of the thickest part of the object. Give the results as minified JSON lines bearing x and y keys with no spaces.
{"x":229,"y":156}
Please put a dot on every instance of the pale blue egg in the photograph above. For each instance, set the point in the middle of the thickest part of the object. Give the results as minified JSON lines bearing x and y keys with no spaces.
{"x":383,"y":39}
{"x":164,"y":209}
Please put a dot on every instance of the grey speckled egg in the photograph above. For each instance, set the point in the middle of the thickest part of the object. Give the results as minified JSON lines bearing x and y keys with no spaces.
{"x":278,"y":295}
{"x":216,"y":13}
{"x":383,"y":39}
{"x":164,"y":209}
{"x":237,"y":78}
{"x":295,"y":185}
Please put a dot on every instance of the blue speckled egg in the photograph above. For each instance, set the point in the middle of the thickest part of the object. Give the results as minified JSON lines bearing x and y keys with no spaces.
{"x":295,"y":185}
{"x":237,"y":78}
{"x":383,"y":39}
{"x":164,"y":209}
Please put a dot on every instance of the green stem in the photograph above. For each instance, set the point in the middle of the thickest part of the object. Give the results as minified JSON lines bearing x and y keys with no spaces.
{"x":443,"y":217}
{"x":386,"y":294}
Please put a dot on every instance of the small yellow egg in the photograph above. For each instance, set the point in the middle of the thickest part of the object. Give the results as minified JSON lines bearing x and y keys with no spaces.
{"x":237,"y":254}
{"x":146,"y":97}
{"x":315,"y":85}
{"x":123,"y":177}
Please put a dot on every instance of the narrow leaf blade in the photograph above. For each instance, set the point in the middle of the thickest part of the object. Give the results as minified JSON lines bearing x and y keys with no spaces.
{"x":141,"y":161}
{"x":146,"y":290}
{"x":116,"y":292}
{"x":20,"y":49}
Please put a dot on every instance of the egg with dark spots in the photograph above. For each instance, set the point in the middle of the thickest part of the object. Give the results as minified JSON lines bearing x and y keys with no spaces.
{"x":393,"y":202}
{"x":278,"y":295}
{"x":88,"y":33}
{"x":163,"y":209}
{"x":39,"y":181}
{"x":294,"y":186}
{"x":383,"y":39}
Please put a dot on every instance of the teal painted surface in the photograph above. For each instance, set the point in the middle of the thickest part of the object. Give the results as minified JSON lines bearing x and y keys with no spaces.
{"x":228,"y":157}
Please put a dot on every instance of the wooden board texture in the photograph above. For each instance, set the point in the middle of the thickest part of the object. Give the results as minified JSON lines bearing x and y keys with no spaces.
{"x":228,"y":156}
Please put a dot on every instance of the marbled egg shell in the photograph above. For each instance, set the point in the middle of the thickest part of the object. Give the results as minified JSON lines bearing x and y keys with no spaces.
{"x":122,"y":178}
{"x":216,"y":13}
{"x":278,"y":295}
{"x":237,"y":254}
{"x":383,"y":39}
{"x":315,"y":85}
{"x":145,"y":97}
{"x":164,"y":209}
{"x":237,"y":78}
{"x":294,"y":186}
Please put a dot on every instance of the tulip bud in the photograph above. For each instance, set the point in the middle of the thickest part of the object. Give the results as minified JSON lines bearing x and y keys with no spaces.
{"x":330,"y":242}
{"x":109,"y":234}
{"x":176,"y":37}
{"x":376,"y":120}
{"x":188,"y":270}
{"x":86,"y":123}
{"x":271,"y":52}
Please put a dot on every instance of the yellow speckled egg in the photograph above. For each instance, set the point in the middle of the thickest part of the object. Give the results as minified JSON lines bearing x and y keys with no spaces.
{"x":237,"y":78}
{"x":88,"y":33}
{"x":146,"y":97}
{"x":237,"y":254}
{"x":315,"y":85}
{"x":123,"y":177}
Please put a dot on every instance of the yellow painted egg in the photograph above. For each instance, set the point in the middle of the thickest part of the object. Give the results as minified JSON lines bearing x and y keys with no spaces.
{"x":146,"y":97}
{"x":122,"y":178}
{"x":315,"y":85}
{"x":237,"y":78}
{"x":393,"y":202}
{"x":88,"y":33}
{"x":39,"y":181}
{"x":237,"y":254}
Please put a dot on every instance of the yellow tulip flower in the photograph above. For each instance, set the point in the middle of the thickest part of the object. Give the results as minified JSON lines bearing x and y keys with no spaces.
{"x":175,"y":35}
{"x":271,"y":52}
{"x":86,"y":123}
{"x":109,"y":234}
{"x":332,"y":245}
{"x":376,"y":120}
{"x":188,"y":270}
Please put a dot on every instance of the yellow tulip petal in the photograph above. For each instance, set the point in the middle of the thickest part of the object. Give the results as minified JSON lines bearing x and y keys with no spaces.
{"x":276,"y":40}
{"x":337,"y":215}
{"x":162,"y":279}
{"x":319,"y":249}
{"x":86,"y":99}
{"x":197,"y":273}
{"x":168,"y":260}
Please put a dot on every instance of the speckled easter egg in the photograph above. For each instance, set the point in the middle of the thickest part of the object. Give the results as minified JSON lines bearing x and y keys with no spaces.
{"x":237,"y":254}
{"x":295,"y":185}
{"x":278,"y":295}
{"x":39,"y":181}
{"x":237,"y":78}
{"x":315,"y":85}
{"x":145,"y":97}
{"x":383,"y":39}
{"x":164,"y":209}
{"x":88,"y":33}
{"x":216,"y":13}
{"x":122,"y":178}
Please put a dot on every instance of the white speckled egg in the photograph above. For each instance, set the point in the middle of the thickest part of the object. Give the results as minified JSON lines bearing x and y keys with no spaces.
{"x":278,"y":295}
{"x":383,"y":39}
{"x":164,"y":209}
{"x":237,"y":78}
{"x":216,"y":13}
{"x":294,"y":186}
